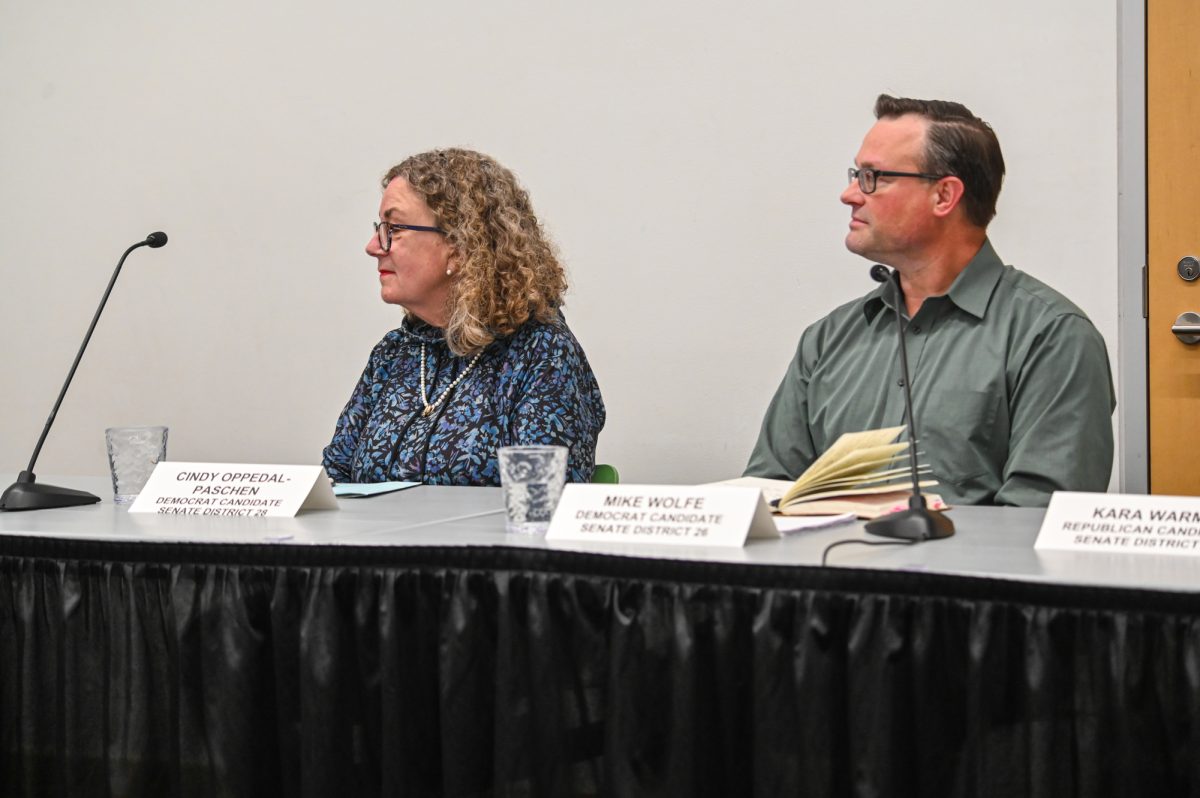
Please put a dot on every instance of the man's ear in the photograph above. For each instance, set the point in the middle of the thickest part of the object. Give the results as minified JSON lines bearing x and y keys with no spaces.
{"x":947,"y":194}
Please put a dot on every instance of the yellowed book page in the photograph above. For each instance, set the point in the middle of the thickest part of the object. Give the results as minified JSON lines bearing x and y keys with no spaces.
{"x":897,"y":462}
{"x":853,"y":441}
{"x":873,"y":476}
{"x":865,"y":470}
{"x":850,"y":483}
{"x":865,"y":507}
{"x":862,"y":459}
{"x":853,"y":460}
{"x":772,"y":489}
{"x":863,"y":491}
{"x":852,"y":463}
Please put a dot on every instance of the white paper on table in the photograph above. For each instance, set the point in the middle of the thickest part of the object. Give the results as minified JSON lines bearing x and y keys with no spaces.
{"x":790,"y":524}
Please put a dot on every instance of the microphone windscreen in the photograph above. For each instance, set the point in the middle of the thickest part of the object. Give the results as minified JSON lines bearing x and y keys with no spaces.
{"x":880,"y":273}
{"x":156,"y":240}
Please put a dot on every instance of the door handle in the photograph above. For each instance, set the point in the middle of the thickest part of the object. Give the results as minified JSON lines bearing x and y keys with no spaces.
{"x":1187,"y":328}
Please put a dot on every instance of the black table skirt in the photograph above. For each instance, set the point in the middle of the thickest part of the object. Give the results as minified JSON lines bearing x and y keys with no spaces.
{"x":153,"y":669}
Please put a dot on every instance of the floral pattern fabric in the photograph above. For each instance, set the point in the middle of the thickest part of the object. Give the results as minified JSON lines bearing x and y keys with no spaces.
{"x":535,"y":387}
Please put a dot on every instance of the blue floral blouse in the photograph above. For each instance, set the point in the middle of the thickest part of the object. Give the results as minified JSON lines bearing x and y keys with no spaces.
{"x":535,"y":387}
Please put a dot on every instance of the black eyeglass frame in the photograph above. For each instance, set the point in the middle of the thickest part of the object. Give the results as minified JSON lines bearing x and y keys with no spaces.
{"x":384,"y":230}
{"x":871,"y":176}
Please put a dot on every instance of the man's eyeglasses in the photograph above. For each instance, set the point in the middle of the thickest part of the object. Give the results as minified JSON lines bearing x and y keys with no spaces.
{"x":868,"y":179}
{"x":384,"y":231}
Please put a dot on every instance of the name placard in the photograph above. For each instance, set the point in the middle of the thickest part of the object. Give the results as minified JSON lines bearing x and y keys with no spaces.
{"x":234,"y":490}
{"x":1117,"y":522}
{"x":672,"y":515}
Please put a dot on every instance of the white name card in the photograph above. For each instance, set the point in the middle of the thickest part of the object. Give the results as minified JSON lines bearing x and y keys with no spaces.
{"x":671,"y":515}
{"x":1117,"y":522}
{"x":218,"y":490}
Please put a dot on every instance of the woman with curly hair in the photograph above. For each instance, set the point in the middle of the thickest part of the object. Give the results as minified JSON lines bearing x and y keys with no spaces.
{"x":483,"y":358}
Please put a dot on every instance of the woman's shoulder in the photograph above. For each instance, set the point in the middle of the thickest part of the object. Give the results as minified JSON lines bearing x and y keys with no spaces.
{"x":543,"y":359}
{"x":537,"y":338}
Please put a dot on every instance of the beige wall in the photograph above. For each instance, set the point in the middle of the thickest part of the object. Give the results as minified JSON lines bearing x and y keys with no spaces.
{"x":686,"y":157}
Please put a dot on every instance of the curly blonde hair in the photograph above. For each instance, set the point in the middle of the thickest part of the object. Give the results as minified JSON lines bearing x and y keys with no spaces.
{"x":506,"y":269}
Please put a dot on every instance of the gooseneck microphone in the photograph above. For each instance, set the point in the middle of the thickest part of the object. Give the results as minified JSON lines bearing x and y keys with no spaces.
{"x":26,"y":493}
{"x":918,"y":522}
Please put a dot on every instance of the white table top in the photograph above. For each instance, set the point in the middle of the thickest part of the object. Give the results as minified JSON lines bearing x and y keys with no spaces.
{"x":991,"y":542}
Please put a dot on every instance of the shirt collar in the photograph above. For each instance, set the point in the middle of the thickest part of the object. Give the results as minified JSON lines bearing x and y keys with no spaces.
{"x":417,"y":330}
{"x":971,"y":290}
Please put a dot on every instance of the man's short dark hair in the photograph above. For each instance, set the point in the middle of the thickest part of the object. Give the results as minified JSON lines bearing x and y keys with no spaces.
{"x":957,"y":143}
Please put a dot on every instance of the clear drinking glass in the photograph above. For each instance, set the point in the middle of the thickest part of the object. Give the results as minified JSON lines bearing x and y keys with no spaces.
{"x":532,"y":478}
{"x":132,"y":454}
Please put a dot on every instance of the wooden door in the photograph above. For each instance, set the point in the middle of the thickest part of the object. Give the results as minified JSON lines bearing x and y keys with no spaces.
{"x":1173,"y":232}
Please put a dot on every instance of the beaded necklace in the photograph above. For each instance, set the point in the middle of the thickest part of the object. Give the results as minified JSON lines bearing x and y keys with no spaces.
{"x":429,"y":408}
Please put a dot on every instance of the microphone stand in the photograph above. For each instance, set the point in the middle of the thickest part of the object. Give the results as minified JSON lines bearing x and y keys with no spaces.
{"x":918,"y":522}
{"x":29,"y":494}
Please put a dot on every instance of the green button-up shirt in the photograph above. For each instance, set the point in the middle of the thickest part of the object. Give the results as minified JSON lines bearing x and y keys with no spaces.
{"x":1011,"y":387}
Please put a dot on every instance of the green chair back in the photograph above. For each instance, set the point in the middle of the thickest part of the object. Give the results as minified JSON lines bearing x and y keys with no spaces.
{"x":605,"y":475}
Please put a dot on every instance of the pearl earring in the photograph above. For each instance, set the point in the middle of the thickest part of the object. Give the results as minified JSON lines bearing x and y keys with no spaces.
{"x":449,"y":272}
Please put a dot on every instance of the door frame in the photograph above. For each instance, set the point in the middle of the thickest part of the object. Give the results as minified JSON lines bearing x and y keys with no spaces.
{"x":1133,"y":427}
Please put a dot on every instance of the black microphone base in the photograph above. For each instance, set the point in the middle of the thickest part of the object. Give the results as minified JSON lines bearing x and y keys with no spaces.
{"x":26,"y":494}
{"x":920,"y":524}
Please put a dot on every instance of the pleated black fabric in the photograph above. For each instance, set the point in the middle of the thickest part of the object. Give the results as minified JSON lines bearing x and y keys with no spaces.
{"x":150,"y":669}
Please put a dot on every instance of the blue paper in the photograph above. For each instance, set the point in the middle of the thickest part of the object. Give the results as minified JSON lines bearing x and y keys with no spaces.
{"x":361,"y":490}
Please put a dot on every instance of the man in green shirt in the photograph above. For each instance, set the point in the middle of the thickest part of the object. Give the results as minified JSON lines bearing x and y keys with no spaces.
{"x":1011,"y":385}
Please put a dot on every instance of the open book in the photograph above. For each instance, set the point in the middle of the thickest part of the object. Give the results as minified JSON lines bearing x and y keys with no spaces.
{"x":865,"y":473}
